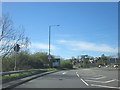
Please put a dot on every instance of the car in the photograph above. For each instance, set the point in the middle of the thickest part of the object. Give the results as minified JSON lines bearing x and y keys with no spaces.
{"x":115,"y":66}
{"x":107,"y":66}
{"x":99,"y":66}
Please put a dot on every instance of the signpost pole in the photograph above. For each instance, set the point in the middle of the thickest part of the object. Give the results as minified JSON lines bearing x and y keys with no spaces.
{"x":15,"y":61}
{"x":16,"y":49}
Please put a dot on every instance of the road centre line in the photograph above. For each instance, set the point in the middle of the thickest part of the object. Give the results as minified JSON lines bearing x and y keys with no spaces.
{"x":104,"y":86}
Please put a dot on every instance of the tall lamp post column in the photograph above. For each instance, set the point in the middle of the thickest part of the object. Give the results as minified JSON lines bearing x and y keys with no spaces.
{"x":49,"y":57}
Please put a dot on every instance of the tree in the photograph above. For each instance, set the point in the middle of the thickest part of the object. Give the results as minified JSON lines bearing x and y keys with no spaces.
{"x":85,"y":59}
{"x":11,"y":36}
{"x":66,"y":64}
{"x":38,"y":59}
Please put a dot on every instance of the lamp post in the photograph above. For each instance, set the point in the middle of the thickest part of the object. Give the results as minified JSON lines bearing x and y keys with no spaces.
{"x":49,"y":57}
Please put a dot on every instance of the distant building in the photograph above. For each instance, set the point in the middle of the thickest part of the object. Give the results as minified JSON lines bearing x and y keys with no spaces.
{"x":112,"y":60}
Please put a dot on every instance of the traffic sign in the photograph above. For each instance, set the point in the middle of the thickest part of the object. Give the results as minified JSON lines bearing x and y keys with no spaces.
{"x":49,"y":57}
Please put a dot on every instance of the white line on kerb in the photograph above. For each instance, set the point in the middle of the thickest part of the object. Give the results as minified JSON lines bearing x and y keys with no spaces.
{"x":85,"y":82}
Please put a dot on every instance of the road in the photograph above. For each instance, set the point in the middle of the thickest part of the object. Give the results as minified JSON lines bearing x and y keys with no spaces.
{"x":80,"y":78}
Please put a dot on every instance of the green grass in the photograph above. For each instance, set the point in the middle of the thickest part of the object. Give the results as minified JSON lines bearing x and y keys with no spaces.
{"x":11,"y":77}
{"x":16,"y":75}
{"x":49,"y":69}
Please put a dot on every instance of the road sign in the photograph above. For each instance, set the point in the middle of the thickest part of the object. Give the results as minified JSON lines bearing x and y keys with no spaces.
{"x":49,"y":57}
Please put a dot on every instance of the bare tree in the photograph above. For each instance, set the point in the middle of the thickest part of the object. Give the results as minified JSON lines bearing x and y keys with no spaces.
{"x":11,"y":36}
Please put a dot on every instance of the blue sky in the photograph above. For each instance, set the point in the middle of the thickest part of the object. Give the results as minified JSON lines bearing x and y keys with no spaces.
{"x":85,"y":28}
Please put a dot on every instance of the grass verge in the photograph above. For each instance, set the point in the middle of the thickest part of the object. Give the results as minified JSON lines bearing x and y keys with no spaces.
{"x":11,"y":77}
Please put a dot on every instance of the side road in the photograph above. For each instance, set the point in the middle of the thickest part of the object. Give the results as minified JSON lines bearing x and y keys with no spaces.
{"x":15,"y":83}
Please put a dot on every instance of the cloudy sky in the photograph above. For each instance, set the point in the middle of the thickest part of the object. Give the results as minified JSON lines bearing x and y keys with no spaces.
{"x":85,"y":27}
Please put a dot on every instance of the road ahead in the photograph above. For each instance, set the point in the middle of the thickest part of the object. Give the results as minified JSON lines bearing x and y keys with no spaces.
{"x":82,"y":78}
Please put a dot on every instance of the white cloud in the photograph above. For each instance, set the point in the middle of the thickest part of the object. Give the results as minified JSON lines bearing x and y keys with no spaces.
{"x":41,"y":46}
{"x":80,"y":45}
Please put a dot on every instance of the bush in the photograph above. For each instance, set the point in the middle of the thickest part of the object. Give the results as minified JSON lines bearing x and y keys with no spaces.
{"x":66,"y":64}
{"x":24,"y":61}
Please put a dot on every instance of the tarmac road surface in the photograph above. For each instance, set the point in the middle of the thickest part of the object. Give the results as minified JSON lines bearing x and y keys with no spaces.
{"x":80,"y":78}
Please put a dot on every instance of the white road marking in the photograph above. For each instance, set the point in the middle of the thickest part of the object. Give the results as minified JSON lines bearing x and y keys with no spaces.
{"x":117,"y":80}
{"x":95,"y":81}
{"x":85,"y":82}
{"x":99,"y":77}
{"x":104,"y":86}
{"x":23,"y":84}
{"x":64,"y":73}
{"x":77,"y":74}
{"x":110,"y":80}
{"x":82,"y":80}
{"x":102,"y":81}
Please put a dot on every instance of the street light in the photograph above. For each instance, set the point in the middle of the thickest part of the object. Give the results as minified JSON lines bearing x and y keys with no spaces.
{"x":49,"y":57}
